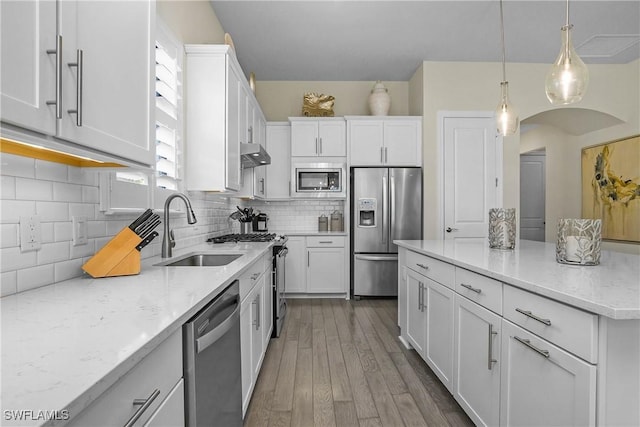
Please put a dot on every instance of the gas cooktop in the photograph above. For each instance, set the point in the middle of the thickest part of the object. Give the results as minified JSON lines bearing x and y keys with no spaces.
{"x":249,"y":237}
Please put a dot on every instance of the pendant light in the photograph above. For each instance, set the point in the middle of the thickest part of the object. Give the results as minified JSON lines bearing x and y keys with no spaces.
{"x":506,"y":115}
{"x":568,"y":78}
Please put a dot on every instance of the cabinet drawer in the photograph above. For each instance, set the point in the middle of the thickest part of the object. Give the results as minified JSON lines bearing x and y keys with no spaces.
{"x":250,"y":277}
{"x":160,"y":370}
{"x":568,"y":327}
{"x":432,"y":268}
{"x":481,"y":289}
{"x":325,"y":241}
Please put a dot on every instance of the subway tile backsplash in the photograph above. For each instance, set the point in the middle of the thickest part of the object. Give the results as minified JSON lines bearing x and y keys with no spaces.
{"x":56,"y":193}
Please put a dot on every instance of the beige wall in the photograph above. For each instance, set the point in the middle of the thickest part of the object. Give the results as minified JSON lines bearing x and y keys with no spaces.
{"x":416,"y":93}
{"x":191,"y":21}
{"x":614,"y":89}
{"x":282,"y":99}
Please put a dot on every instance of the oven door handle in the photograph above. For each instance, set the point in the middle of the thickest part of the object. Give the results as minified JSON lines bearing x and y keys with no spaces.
{"x":214,"y":335}
{"x":283,"y":252}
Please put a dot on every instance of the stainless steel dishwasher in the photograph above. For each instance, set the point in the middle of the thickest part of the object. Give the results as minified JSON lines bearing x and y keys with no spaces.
{"x":213,"y":384}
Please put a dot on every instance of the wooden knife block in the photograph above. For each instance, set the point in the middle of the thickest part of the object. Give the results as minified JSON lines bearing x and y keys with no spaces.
{"x":119,"y":257}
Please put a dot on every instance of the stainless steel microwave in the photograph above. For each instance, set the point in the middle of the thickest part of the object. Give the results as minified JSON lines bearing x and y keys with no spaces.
{"x":312,"y":180}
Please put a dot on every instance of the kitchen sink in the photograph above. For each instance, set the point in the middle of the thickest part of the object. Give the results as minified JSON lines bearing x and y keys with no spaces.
{"x":201,"y":260}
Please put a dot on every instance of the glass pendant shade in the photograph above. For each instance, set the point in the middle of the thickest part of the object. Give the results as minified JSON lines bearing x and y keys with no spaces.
{"x":568,"y":78}
{"x":507,"y":118}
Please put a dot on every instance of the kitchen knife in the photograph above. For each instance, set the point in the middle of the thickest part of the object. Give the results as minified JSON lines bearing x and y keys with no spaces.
{"x":149,"y":225}
{"x":147,"y":240}
{"x":152,"y":218}
{"x":142,"y":218}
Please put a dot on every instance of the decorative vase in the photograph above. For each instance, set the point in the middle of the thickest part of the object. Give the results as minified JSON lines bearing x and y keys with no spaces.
{"x":502,"y":228}
{"x":379,"y":100}
{"x":579,"y":241}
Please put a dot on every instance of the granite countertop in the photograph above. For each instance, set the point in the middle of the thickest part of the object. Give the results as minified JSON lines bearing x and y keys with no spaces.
{"x":65,"y":344}
{"x":611,"y":289}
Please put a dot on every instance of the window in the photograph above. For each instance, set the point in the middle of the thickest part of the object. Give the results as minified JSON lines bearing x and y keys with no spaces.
{"x":135,"y":190}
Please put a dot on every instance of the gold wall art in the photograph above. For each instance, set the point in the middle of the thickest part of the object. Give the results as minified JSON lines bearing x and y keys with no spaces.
{"x":611,"y":188}
{"x":317,"y":105}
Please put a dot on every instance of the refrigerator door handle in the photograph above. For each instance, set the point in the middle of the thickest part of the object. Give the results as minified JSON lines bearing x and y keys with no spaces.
{"x":392,"y":203}
{"x":376,"y":258}
{"x":385,"y":209}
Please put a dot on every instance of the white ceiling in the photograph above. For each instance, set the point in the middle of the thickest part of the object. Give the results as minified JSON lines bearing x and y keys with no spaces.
{"x":387,"y":40}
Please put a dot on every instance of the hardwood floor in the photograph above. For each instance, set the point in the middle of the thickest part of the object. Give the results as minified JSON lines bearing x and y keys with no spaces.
{"x":340,"y":363}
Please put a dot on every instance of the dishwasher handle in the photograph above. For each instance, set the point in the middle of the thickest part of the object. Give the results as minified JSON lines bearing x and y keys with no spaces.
{"x":214,"y":335}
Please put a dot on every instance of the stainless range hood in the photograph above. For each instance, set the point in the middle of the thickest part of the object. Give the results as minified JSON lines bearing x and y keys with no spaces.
{"x":253,"y":155}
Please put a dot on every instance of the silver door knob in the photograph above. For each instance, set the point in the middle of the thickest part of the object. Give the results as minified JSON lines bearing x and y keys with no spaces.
{"x":449,"y":229}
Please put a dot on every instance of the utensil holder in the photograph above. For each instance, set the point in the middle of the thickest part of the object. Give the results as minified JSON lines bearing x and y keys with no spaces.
{"x":119,"y":257}
{"x":579,"y":241}
{"x":502,"y":228}
{"x":245,"y":228}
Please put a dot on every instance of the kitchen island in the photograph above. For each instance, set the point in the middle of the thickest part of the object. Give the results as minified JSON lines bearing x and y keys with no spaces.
{"x":65,"y":344}
{"x":518,"y":338}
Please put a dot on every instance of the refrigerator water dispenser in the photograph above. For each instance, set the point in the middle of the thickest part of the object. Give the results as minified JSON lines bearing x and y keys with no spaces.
{"x":367,"y":212}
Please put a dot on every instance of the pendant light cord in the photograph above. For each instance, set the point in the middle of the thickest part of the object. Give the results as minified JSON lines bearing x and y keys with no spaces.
{"x":504,"y":72}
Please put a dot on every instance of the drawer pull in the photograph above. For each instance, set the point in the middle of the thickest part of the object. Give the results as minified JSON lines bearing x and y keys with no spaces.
{"x":144,"y":405}
{"x":426,"y":267}
{"x":471,"y":288}
{"x":544,"y":353}
{"x":325,"y":241}
{"x":491,"y":360}
{"x":534,"y":317}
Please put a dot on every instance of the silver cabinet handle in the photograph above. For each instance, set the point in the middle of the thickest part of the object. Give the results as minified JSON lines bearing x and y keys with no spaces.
{"x":471,"y":288}
{"x":449,"y":229}
{"x":317,"y":151}
{"x":426,"y":267}
{"x":326,"y":241}
{"x":420,"y":293}
{"x":534,"y":317}
{"x":381,"y":155}
{"x":386,"y":158}
{"x":80,"y":65}
{"x":544,"y":353}
{"x":262,"y":182}
{"x":250,"y":134}
{"x":320,"y":145}
{"x":256,"y":323}
{"x":144,"y":405}
{"x":308,"y":259}
{"x":491,"y":360}
{"x":58,"y":52}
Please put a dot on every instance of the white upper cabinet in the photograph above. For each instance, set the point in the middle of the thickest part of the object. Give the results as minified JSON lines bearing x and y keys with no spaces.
{"x":216,"y":118}
{"x":389,"y":141}
{"x":97,"y":91}
{"x":278,"y":140}
{"x":325,"y":137}
{"x":28,"y":73}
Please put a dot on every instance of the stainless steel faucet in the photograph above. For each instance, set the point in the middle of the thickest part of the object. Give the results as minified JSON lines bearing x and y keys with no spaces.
{"x":168,"y":241}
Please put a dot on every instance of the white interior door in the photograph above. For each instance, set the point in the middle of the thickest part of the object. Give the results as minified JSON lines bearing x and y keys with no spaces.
{"x":532,"y":196}
{"x":472,"y":174}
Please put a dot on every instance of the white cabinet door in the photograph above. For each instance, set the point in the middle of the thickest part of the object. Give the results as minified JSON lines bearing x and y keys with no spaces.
{"x":267,"y":316}
{"x":402,"y":142}
{"x":113,"y":90}
{"x":325,"y":270}
{"x":296,"y":265}
{"x":171,"y":410}
{"x":477,"y":362}
{"x":304,"y":138}
{"x":439,"y":345}
{"x":332,"y":139}
{"x":257,"y":336}
{"x":543,"y":385}
{"x":366,"y":143}
{"x":278,"y":145}
{"x":28,"y":30}
{"x":416,"y":330}
{"x":246,"y":336}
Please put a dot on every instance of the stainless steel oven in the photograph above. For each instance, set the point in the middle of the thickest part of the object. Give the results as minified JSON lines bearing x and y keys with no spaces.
{"x":318,"y":180}
{"x":279,"y":287}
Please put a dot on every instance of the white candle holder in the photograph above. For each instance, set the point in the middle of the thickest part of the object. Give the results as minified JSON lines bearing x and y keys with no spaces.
{"x":579,"y":241}
{"x":502,"y":228}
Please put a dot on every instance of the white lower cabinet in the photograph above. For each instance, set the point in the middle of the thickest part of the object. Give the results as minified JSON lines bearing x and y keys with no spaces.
{"x":325,"y":270}
{"x":296,"y":265}
{"x":416,"y":321}
{"x":153,"y":380}
{"x":542,"y":384}
{"x":267,"y":313}
{"x":316,"y":265}
{"x":439,"y":342}
{"x":477,"y":362}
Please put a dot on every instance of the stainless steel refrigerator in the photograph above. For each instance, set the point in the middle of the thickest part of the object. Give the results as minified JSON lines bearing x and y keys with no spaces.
{"x":386,"y":205}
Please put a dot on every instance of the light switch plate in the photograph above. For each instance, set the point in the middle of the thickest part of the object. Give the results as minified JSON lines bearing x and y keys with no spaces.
{"x":80,"y":230}
{"x":30,"y":233}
